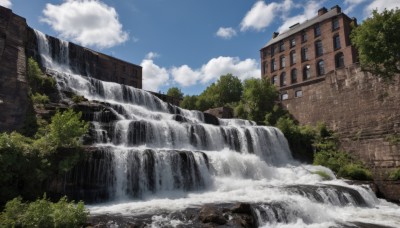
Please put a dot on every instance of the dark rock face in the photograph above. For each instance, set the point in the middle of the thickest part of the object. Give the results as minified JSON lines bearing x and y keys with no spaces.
{"x":210,"y":214}
{"x":14,"y":100}
{"x":211,"y":119}
{"x":221,"y":112}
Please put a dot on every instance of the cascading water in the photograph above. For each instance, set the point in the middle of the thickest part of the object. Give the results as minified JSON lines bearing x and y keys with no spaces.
{"x":150,"y":157}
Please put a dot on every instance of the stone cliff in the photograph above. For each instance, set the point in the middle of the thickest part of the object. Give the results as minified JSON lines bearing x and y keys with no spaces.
{"x":365,"y":111}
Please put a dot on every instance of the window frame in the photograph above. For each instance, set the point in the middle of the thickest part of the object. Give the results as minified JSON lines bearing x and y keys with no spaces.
{"x":282,"y":79}
{"x":336,"y":42}
{"x":293,"y":75}
{"x":319,"y":48}
{"x":317,"y":30}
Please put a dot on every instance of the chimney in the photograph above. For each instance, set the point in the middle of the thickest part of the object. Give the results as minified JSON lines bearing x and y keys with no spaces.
{"x":321,"y":11}
{"x":354,"y":21}
{"x":275,"y":34}
{"x":337,"y":8}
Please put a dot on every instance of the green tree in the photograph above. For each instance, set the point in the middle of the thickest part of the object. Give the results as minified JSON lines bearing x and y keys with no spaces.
{"x":378,"y":42}
{"x":229,"y":89}
{"x":189,"y":102}
{"x":259,"y":97}
{"x":175,"y":92}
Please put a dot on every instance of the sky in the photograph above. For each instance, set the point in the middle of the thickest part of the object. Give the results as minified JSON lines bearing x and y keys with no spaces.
{"x":187,"y":44}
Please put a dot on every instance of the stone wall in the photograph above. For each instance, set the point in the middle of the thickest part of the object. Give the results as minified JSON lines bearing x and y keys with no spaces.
{"x":364,"y":110}
{"x":13,"y":83}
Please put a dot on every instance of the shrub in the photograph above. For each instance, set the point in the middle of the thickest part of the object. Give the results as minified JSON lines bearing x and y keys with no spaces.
{"x":43,"y":213}
{"x":38,"y":81}
{"x":38,"y":98}
{"x":355,"y":172}
{"x":322,"y":174}
{"x":78,"y":99}
{"x":66,"y":128}
{"x":394,"y":174}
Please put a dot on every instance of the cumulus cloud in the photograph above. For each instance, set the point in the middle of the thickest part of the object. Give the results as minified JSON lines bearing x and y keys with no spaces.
{"x":88,"y":22}
{"x":261,"y":14}
{"x":214,"y":68}
{"x":152,"y":55}
{"x":154,"y":76}
{"x":309,"y":11}
{"x":381,"y":5}
{"x":351,"y":4}
{"x":6,"y":3}
{"x":226,"y":33}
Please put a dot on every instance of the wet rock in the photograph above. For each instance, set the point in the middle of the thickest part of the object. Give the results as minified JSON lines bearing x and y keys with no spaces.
{"x":243,"y":208}
{"x":210,"y":214}
{"x":210,"y":119}
{"x":180,"y":118}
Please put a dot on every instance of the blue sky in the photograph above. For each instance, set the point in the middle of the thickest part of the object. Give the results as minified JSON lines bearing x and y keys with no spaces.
{"x":182,"y":43}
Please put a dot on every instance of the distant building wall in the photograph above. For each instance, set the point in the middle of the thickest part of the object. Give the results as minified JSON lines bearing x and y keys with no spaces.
{"x":221,"y":112}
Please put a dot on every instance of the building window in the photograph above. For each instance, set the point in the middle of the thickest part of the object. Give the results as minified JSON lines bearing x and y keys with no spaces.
{"x":339,"y":60}
{"x":272,"y":50}
{"x":265,"y":53}
{"x":281,"y":46}
{"x":335,"y":23}
{"x":293,"y":75}
{"x":317,"y":30}
{"x":304,"y":37}
{"x":321,"y":68}
{"x":273,"y":80}
{"x":298,"y":93}
{"x":265,"y":70}
{"x":283,"y":79}
{"x":318,"y":48}
{"x":306,"y":72}
{"x":304,"y":54}
{"x":284,"y":96}
{"x":336,"y":42}
{"x":292,"y":57}
{"x":283,"y":62}
{"x":273,"y":65}
{"x":292,"y":42}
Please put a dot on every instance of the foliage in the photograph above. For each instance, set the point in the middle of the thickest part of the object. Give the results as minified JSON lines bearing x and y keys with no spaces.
{"x":355,"y":172}
{"x":78,"y":99}
{"x":38,"y":98}
{"x":43,"y":213}
{"x":189,"y":102}
{"x":38,"y":81}
{"x":377,"y":41}
{"x":394,"y":174}
{"x":175,"y":92}
{"x":258,"y":98}
{"x":229,"y":89}
{"x":26,"y":162}
{"x":66,"y":128}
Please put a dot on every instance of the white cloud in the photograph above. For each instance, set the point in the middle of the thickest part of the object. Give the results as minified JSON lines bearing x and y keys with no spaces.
{"x":88,"y":22}
{"x":214,"y":68}
{"x":380,"y":5}
{"x":226,"y":33}
{"x":310,"y":11}
{"x":152,"y":55}
{"x":153,"y":75}
{"x":261,"y":14}
{"x":351,"y":4}
{"x":6,"y":3}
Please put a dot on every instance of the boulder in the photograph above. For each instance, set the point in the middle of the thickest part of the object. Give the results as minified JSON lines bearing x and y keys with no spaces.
{"x":210,"y":214}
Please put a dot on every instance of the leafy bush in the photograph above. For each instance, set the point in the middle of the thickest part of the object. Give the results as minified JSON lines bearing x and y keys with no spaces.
{"x":322,"y":174}
{"x":38,"y":98}
{"x":78,"y":99}
{"x":43,"y":213}
{"x":66,"y":128}
{"x":355,"y":172}
{"x":394,"y":174}
{"x":38,"y":81}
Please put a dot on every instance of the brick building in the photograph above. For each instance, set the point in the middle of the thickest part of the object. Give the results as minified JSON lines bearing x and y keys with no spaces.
{"x":306,"y":52}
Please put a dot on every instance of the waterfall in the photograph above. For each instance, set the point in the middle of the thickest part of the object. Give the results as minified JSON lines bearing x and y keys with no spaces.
{"x":149,"y":156}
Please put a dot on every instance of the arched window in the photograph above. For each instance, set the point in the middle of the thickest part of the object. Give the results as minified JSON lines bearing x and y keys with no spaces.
{"x":293,"y":75}
{"x":339,"y":60}
{"x":306,"y":72}
{"x":273,"y":80}
{"x":273,"y":65}
{"x":283,"y":79}
{"x":292,"y":57}
{"x":283,"y":61}
{"x":304,"y":54}
{"x":321,"y":68}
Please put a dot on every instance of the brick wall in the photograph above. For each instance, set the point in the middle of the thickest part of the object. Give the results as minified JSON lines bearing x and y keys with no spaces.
{"x":365,"y":112}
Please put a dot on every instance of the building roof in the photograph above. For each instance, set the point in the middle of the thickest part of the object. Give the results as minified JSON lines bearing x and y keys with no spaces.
{"x":297,"y":28}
